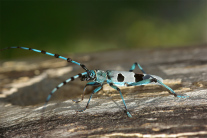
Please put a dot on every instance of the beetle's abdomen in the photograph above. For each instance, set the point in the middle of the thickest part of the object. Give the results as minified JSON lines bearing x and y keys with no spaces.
{"x":124,"y":76}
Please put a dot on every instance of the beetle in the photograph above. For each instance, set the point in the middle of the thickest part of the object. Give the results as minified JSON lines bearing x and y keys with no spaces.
{"x":100,"y":77}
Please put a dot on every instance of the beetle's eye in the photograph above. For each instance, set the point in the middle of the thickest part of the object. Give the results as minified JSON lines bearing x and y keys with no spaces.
{"x":91,"y":74}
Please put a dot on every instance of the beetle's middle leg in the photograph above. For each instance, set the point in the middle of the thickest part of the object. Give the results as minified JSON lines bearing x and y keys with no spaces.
{"x":116,"y":88}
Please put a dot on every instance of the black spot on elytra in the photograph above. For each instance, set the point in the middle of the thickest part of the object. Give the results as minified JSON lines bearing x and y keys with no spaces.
{"x":138,"y":77}
{"x":153,"y":80}
{"x":120,"y":77}
{"x":108,"y":76}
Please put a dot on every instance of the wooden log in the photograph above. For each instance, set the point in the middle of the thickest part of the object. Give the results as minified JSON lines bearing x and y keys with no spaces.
{"x":25,"y":85}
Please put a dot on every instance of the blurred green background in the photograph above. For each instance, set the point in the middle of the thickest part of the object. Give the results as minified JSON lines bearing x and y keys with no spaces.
{"x":84,"y":26}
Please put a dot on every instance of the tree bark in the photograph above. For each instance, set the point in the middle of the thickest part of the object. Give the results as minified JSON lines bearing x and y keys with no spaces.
{"x":26,"y":83}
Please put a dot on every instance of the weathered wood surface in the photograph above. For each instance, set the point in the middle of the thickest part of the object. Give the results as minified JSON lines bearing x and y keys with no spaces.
{"x":25,"y":84}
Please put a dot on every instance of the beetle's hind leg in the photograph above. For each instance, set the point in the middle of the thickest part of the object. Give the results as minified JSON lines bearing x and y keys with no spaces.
{"x":134,"y":66}
{"x":171,"y":90}
{"x":147,"y":81}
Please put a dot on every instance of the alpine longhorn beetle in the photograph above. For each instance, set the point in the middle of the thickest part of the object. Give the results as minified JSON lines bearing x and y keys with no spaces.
{"x":100,"y":77}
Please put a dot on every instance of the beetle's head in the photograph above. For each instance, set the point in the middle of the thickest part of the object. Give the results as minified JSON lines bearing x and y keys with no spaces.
{"x":91,"y":75}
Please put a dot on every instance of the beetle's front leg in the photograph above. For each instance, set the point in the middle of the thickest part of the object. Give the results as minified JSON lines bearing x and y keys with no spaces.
{"x":88,"y":84}
{"x":94,"y":91}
